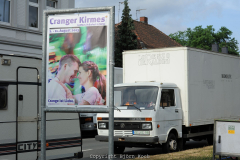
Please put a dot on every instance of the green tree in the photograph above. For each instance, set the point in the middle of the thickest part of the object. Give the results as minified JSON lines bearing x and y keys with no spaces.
{"x":204,"y":38}
{"x":125,"y":39}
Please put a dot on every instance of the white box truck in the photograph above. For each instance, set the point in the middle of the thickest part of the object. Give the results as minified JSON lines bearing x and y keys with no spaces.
{"x":20,"y":115}
{"x":171,"y":95}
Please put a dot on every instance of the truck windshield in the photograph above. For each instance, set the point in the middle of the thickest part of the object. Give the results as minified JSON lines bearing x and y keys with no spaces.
{"x":135,"y":97}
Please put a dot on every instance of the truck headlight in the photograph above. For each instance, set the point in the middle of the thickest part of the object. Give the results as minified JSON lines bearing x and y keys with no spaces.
{"x":146,"y":126}
{"x":102,"y":125}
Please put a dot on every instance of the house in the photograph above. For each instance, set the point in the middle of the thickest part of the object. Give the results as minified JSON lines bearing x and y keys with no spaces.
{"x":21,"y":25}
{"x":150,"y":37}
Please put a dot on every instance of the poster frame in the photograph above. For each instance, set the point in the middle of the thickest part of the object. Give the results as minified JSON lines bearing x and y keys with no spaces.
{"x":46,"y":13}
{"x":109,"y":109}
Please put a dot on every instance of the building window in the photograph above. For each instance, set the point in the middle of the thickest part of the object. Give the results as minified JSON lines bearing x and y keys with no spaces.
{"x":3,"y":97}
{"x":33,"y":13}
{"x":5,"y":11}
{"x":51,"y":4}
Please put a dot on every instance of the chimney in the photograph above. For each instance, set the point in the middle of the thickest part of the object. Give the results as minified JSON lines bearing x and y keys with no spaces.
{"x":225,"y":50}
{"x":144,"y":20}
{"x":215,"y":47}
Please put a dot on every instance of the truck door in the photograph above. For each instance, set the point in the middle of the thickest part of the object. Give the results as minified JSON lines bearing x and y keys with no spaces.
{"x":171,"y":109}
{"x":27,"y":114}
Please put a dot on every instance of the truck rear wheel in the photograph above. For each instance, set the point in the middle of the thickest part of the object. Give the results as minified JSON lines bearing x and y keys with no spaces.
{"x":171,"y":144}
{"x":118,"y":149}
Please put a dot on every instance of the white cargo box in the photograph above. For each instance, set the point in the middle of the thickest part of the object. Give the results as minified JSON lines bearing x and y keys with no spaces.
{"x":209,"y":82}
{"x":226,"y":138}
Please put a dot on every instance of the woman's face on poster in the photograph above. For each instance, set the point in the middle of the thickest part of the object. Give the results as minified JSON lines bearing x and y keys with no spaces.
{"x":83,"y":76}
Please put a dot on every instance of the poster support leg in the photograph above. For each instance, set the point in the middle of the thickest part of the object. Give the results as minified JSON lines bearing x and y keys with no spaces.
{"x":111,"y":87}
{"x":43,"y":98}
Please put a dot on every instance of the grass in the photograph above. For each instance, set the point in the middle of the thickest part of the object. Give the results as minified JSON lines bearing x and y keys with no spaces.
{"x":205,"y":153}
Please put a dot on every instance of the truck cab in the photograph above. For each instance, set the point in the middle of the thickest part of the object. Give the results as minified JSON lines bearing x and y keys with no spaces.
{"x":147,"y":114}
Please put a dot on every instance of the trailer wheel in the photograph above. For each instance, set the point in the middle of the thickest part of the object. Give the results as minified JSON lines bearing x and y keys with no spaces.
{"x":171,"y":144}
{"x":118,"y":149}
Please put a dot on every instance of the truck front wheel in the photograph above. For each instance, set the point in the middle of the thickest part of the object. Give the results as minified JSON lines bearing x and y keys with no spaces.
{"x":118,"y":149}
{"x":171,"y":144}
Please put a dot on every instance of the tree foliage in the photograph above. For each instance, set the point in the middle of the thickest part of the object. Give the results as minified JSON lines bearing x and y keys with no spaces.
{"x":126,"y":39}
{"x":204,"y":38}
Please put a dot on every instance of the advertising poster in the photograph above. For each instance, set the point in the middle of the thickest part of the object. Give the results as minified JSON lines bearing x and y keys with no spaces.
{"x":77,"y":60}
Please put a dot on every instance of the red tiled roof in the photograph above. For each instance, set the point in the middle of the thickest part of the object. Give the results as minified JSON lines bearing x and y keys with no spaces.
{"x":150,"y":36}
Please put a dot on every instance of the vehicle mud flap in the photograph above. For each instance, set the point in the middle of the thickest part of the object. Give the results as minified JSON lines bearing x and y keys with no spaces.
{"x":210,"y":139}
{"x":180,"y":146}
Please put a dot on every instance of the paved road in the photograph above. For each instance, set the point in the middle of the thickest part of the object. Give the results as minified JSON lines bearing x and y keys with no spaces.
{"x":92,"y":148}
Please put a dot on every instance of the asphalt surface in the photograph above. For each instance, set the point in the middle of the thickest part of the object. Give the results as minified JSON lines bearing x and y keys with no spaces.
{"x":93,"y":149}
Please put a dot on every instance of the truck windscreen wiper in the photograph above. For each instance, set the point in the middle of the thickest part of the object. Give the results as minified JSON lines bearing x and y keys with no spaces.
{"x":117,"y":108}
{"x":135,"y":107}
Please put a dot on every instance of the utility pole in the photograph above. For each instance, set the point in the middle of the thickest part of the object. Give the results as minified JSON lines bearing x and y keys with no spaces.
{"x":138,"y":10}
{"x":119,"y":9}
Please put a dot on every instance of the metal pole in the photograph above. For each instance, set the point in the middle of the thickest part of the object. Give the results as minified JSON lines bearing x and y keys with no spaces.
{"x":43,"y":98}
{"x":111,"y":85}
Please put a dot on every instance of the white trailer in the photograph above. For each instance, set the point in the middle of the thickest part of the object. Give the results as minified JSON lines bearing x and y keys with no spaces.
{"x":89,"y":120}
{"x":171,"y":95}
{"x":20,"y":115}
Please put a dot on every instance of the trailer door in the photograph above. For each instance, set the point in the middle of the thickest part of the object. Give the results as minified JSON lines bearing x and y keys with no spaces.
{"x":27,"y":113}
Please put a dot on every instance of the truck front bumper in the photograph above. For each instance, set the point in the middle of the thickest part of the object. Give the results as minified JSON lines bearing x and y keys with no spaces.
{"x":152,"y":140}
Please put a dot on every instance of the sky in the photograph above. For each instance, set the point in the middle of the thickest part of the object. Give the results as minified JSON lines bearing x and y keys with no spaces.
{"x":170,"y":16}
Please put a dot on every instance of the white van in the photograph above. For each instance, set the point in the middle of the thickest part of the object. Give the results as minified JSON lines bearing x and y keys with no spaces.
{"x":20,"y":115}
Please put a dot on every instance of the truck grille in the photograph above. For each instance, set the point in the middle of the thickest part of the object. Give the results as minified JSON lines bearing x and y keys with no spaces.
{"x":122,"y":133}
{"x":127,"y":125}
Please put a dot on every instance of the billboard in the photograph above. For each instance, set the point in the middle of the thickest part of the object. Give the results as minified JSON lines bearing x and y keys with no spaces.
{"x":77,"y":60}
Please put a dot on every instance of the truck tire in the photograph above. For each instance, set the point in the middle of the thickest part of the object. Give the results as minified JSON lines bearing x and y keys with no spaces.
{"x":119,"y":149}
{"x":171,"y":144}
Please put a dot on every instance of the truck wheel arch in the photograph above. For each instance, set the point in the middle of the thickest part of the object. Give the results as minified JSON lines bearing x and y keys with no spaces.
{"x":174,"y":131}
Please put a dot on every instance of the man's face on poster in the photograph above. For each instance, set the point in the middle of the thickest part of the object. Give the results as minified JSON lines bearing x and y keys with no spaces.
{"x":70,"y":72}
